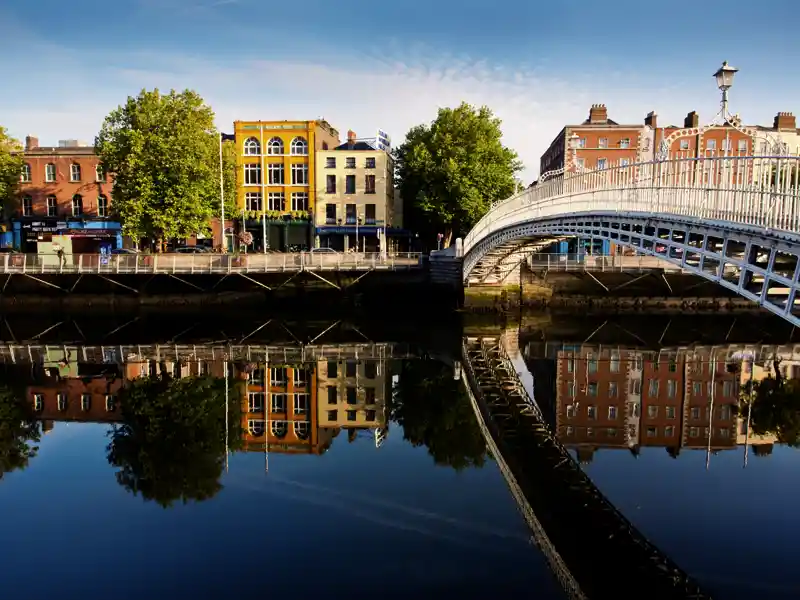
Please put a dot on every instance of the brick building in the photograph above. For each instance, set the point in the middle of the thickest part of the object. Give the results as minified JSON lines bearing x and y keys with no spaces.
{"x":64,"y":199}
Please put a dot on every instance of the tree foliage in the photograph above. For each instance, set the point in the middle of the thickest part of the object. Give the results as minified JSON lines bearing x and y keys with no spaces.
{"x":451,"y":171}
{"x":163,"y":151}
{"x":171,"y":444}
{"x":11,"y":162}
{"x":19,"y":429}
{"x":776,"y":408}
{"x":434,"y":411}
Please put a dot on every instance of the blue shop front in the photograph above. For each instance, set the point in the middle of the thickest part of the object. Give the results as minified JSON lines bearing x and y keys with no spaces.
{"x":364,"y":238}
{"x":84,"y":236}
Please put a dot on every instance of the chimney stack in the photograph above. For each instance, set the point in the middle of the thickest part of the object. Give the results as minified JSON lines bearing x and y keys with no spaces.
{"x":651,"y":119}
{"x":598,"y":114}
{"x":785,"y":121}
{"x":351,"y":137}
{"x":31,"y":142}
{"x":692,"y":120}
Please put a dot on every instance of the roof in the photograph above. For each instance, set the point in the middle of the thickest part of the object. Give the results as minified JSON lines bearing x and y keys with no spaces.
{"x":358,"y":145}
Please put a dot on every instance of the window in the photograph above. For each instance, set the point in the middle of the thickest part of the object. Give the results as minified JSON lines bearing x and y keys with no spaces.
{"x":275,"y":171}
{"x":653,"y":391}
{"x":634,"y":408}
{"x":725,"y":412}
{"x":591,"y":364}
{"x":300,"y":377}
{"x":369,"y":184}
{"x":38,"y":402}
{"x":86,"y":402}
{"x":727,"y":388}
{"x":571,"y":365}
{"x":612,"y":389}
{"x":570,"y":430}
{"x":611,"y":432}
{"x":279,"y":428}
{"x":697,"y":388}
{"x":299,"y":174}
{"x":669,"y":431}
{"x":255,"y":402}
{"x":694,"y":432}
{"x":255,"y":427}
{"x":330,"y":162}
{"x":350,"y":368}
{"x":350,"y":162}
{"x":299,"y":146}
{"x":612,"y":413}
{"x":256,"y":376}
{"x":369,"y":214}
{"x":570,"y":411}
{"x":624,"y":162}
{"x":673,"y":365}
{"x":252,"y":147}
{"x":351,"y":395}
{"x":330,"y":184}
{"x":278,"y":404}
{"x":369,"y":395}
{"x":27,"y":206}
{"x":695,"y":412}
{"x":370,"y":162}
{"x":370,"y":369}
{"x":350,"y":214}
{"x":49,"y":172}
{"x":636,"y":387}
{"x":589,"y":432}
{"x":330,"y":214}
{"x":332,"y":415}
{"x":332,"y":395}
{"x":591,"y":412}
{"x":613,"y":364}
{"x":300,"y":404}
{"x":74,"y":172}
{"x":370,"y":416}
{"x":571,"y":389}
{"x":601,"y":163}
{"x":724,"y":432}
{"x":652,"y":412}
{"x":651,"y":432}
{"x":300,"y":201}
{"x":684,"y":144}
{"x":672,"y":388}
{"x":102,"y":206}
{"x":277,"y":376}
{"x":592,"y":390}
{"x":275,"y":146}
{"x":99,"y":173}
{"x":276,"y":201}
{"x":351,"y":415}
{"x":77,"y":205}
{"x":350,"y":184}
{"x":582,"y":143}
{"x":111,"y":403}
{"x":742,"y":145}
{"x":252,"y":174}
{"x":711,"y":144}
{"x":25,"y":174}
{"x":625,"y":143}
{"x":253,"y":201}
{"x":332,"y":368}
{"x":301,"y":429}
{"x":62,"y":402}
{"x":670,"y":412}
{"x":602,"y":143}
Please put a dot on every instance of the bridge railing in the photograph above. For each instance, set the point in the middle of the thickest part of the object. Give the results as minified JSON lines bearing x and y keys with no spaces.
{"x":755,"y":191}
{"x":180,"y":263}
{"x":598,"y":262}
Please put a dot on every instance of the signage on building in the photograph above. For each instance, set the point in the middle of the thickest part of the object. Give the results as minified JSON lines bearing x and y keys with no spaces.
{"x":383,"y":141}
{"x":44,"y":226}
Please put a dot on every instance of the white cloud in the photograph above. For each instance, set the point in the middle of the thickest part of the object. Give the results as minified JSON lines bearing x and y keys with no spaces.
{"x":392,"y":92}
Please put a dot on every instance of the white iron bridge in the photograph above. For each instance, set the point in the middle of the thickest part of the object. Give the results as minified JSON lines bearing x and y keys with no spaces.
{"x":734,"y":220}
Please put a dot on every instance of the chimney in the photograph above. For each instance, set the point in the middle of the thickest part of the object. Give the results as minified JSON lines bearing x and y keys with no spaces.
{"x":31,"y":142}
{"x":351,"y":137}
{"x":651,"y":119}
{"x":598,"y":114}
{"x":785,"y":121}
{"x":692,"y":120}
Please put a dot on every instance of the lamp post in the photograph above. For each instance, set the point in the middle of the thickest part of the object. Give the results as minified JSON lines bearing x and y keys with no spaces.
{"x":222,"y":196}
{"x":574,"y":142}
{"x":724,"y":77}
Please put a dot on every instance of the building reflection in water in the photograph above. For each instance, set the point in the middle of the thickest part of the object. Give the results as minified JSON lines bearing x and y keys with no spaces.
{"x":285,"y":408}
{"x":628,"y":398}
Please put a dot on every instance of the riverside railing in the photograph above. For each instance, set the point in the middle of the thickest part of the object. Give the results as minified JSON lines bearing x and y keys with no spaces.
{"x":598,"y":262}
{"x":755,"y":191}
{"x":181,"y":263}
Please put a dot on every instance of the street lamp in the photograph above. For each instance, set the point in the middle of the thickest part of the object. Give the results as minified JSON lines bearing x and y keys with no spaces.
{"x":574,"y":142}
{"x":724,"y":76}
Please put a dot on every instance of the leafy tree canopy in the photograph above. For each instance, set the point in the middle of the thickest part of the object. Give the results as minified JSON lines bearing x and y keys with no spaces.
{"x":164,"y":153}
{"x":451,"y":171}
{"x":776,"y":408}
{"x":434,"y":411}
{"x":11,"y":162}
{"x":171,"y":444}
{"x":19,"y":429}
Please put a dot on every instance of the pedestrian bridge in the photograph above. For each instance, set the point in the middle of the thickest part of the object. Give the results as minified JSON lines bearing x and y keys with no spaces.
{"x":734,"y":220}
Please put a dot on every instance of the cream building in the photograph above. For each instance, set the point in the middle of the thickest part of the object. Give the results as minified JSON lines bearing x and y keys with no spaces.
{"x":355,"y":197}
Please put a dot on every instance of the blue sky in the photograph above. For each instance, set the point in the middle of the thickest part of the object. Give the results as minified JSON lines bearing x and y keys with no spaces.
{"x":366,"y":64}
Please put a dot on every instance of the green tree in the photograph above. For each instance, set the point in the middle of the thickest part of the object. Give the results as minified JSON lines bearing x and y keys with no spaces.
{"x":170,"y":445}
{"x":11,"y":162}
{"x":776,"y":407}
{"x":450,"y":172}
{"x":434,"y":411}
{"x":163,"y":151}
{"x":19,"y":430}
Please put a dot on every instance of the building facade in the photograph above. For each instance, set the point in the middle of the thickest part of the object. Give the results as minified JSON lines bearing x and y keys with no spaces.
{"x":354,"y":393}
{"x":355,"y":197}
{"x":64,"y":199}
{"x":276,"y":180}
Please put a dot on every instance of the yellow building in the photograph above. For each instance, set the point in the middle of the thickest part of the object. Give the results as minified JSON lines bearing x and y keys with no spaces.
{"x":355,"y":205}
{"x":353,"y":394}
{"x":276,"y":179}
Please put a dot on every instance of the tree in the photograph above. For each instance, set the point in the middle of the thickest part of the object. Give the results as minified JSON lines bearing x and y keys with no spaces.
{"x":170,"y":445}
{"x":11,"y":162}
{"x":450,"y":173}
{"x":163,"y":151}
{"x":776,"y":407}
{"x":229,"y":175}
{"x":19,"y":429}
{"x":434,"y":411}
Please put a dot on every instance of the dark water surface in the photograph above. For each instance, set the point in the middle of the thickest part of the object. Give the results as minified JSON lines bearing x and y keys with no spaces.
{"x":383,"y":486}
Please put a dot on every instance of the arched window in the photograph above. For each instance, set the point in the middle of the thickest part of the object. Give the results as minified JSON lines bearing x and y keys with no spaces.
{"x":77,"y":205}
{"x":275,"y":146}
{"x":299,"y":146}
{"x":25,"y":175}
{"x":252,"y":147}
{"x":278,"y":428}
{"x":74,"y":172}
{"x":301,"y":430}
{"x":255,"y":427}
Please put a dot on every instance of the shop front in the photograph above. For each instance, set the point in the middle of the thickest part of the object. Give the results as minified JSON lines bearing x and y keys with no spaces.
{"x":367,"y":238}
{"x":35,"y":235}
{"x":277,"y":235}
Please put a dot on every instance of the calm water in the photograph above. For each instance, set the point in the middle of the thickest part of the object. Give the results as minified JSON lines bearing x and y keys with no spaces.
{"x":363,"y":467}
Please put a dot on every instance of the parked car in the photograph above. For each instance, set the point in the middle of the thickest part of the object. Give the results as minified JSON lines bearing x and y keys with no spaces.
{"x":192,"y":249}
{"x":324,"y":251}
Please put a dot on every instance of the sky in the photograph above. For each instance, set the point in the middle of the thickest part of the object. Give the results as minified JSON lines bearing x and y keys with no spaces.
{"x":364,"y":65}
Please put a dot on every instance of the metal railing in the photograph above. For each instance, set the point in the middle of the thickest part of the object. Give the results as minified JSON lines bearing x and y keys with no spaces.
{"x":754,"y":191}
{"x":595,"y":262}
{"x":180,"y":263}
